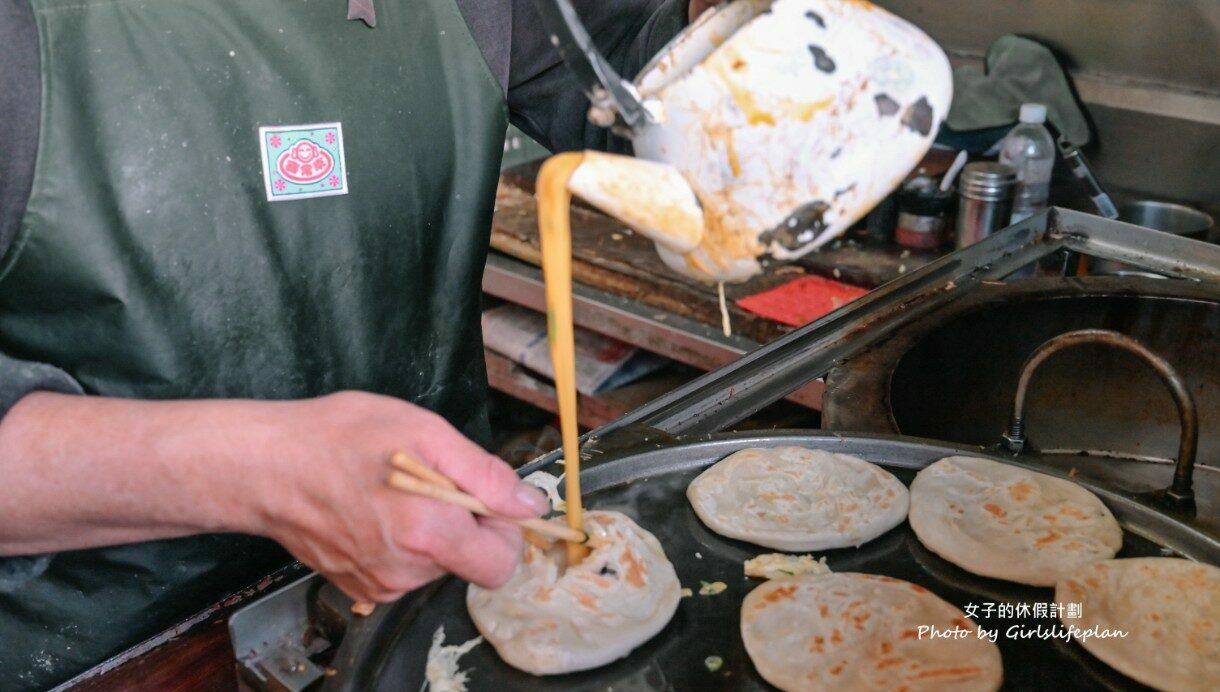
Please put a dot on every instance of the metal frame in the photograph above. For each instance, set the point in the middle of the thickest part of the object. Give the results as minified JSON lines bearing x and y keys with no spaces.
{"x":678,"y":338}
{"x":723,"y":397}
{"x":269,"y":639}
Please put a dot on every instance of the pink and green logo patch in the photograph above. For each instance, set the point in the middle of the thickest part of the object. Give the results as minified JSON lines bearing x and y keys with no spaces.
{"x":301,"y":161}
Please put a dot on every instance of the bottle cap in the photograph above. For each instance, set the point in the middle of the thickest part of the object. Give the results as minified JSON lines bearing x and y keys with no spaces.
{"x":1033,"y":113}
{"x":987,"y":181}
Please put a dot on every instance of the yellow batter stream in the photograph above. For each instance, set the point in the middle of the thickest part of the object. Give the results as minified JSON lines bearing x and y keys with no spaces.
{"x":555,"y":233}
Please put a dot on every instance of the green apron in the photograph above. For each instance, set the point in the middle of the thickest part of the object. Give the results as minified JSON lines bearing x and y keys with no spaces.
{"x":151,"y":264}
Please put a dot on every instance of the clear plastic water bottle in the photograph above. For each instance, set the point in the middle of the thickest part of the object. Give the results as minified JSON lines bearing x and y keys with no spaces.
{"x":1029,"y":149}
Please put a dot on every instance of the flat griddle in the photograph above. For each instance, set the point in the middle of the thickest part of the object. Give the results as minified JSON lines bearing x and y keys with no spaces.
{"x":388,"y":650}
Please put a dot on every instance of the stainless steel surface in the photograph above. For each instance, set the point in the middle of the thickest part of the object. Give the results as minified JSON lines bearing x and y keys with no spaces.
{"x":675,"y":337}
{"x":270,"y":639}
{"x":987,"y":181}
{"x":1162,"y":253}
{"x":1146,"y":71}
{"x":1167,"y":217}
{"x":986,"y":194}
{"x":1181,"y":493}
{"x":388,"y":650}
{"x":1169,"y":43}
{"x":1139,"y":103}
{"x":1095,"y":409}
{"x":1158,"y":157}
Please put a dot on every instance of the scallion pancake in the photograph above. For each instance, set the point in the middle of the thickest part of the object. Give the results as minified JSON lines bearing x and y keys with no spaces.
{"x":1167,"y":609}
{"x":796,"y":499}
{"x":850,"y":631}
{"x":1005,"y":522}
{"x":551,"y":619}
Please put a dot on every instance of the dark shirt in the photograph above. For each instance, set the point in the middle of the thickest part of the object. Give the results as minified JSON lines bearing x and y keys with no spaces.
{"x":544,"y":101}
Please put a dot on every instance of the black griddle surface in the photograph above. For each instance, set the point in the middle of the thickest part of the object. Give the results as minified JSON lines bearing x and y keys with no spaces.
{"x":709,"y":625}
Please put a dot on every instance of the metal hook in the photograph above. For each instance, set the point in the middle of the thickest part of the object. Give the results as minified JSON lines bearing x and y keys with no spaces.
{"x":609,"y":93}
{"x":1180,"y":495}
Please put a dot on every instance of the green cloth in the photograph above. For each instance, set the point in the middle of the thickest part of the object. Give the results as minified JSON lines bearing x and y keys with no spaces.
{"x":150,"y":264}
{"x":1017,"y":71}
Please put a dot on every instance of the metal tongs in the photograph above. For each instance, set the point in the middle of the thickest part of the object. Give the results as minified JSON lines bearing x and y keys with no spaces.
{"x":1079,"y":165}
{"x":615,"y":101}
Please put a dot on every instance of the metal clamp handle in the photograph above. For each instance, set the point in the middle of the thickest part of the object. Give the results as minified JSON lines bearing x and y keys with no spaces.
{"x":1180,"y":494}
{"x":1079,"y":165}
{"x":610,"y":94}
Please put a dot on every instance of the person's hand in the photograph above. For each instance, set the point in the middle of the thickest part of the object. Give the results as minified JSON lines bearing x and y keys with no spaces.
{"x":698,"y":7}
{"x":88,"y":471}
{"x":332,"y":509}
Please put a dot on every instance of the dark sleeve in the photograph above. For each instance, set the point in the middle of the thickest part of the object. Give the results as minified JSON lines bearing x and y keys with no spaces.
{"x":18,"y":378}
{"x":545,"y":100}
{"x":20,"y":104}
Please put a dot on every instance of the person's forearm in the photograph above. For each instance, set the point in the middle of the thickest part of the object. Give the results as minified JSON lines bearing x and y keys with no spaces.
{"x":88,"y":471}
{"x":85,"y":471}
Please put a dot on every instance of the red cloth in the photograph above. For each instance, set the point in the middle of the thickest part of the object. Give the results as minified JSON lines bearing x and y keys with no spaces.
{"x":801,"y":300}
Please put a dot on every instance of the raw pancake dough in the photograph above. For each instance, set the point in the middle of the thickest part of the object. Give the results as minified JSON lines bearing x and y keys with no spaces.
{"x":1169,"y":608}
{"x":1005,"y":522}
{"x":797,"y":499}
{"x":546,"y":621}
{"x":850,"y":631}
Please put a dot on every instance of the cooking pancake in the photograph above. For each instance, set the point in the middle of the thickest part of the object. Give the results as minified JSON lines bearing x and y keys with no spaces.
{"x":1005,"y":522}
{"x":797,"y":499}
{"x":1169,"y":609}
{"x":851,"y":631}
{"x":547,"y":620}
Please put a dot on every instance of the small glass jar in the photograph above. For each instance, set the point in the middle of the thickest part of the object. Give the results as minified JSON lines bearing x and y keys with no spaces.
{"x":925,"y":216}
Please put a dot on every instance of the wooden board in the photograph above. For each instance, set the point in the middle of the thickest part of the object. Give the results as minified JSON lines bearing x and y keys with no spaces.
{"x":201,"y":659}
{"x":193,"y":655}
{"x":608,"y":256}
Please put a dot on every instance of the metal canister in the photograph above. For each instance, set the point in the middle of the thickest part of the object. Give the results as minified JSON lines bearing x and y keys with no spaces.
{"x":985,"y":205}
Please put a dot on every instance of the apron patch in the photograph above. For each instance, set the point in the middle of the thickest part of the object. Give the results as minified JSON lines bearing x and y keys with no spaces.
{"x":301,"y":161}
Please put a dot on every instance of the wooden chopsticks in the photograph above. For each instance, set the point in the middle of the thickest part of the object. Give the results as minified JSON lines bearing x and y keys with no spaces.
{"x":413,"y":476}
